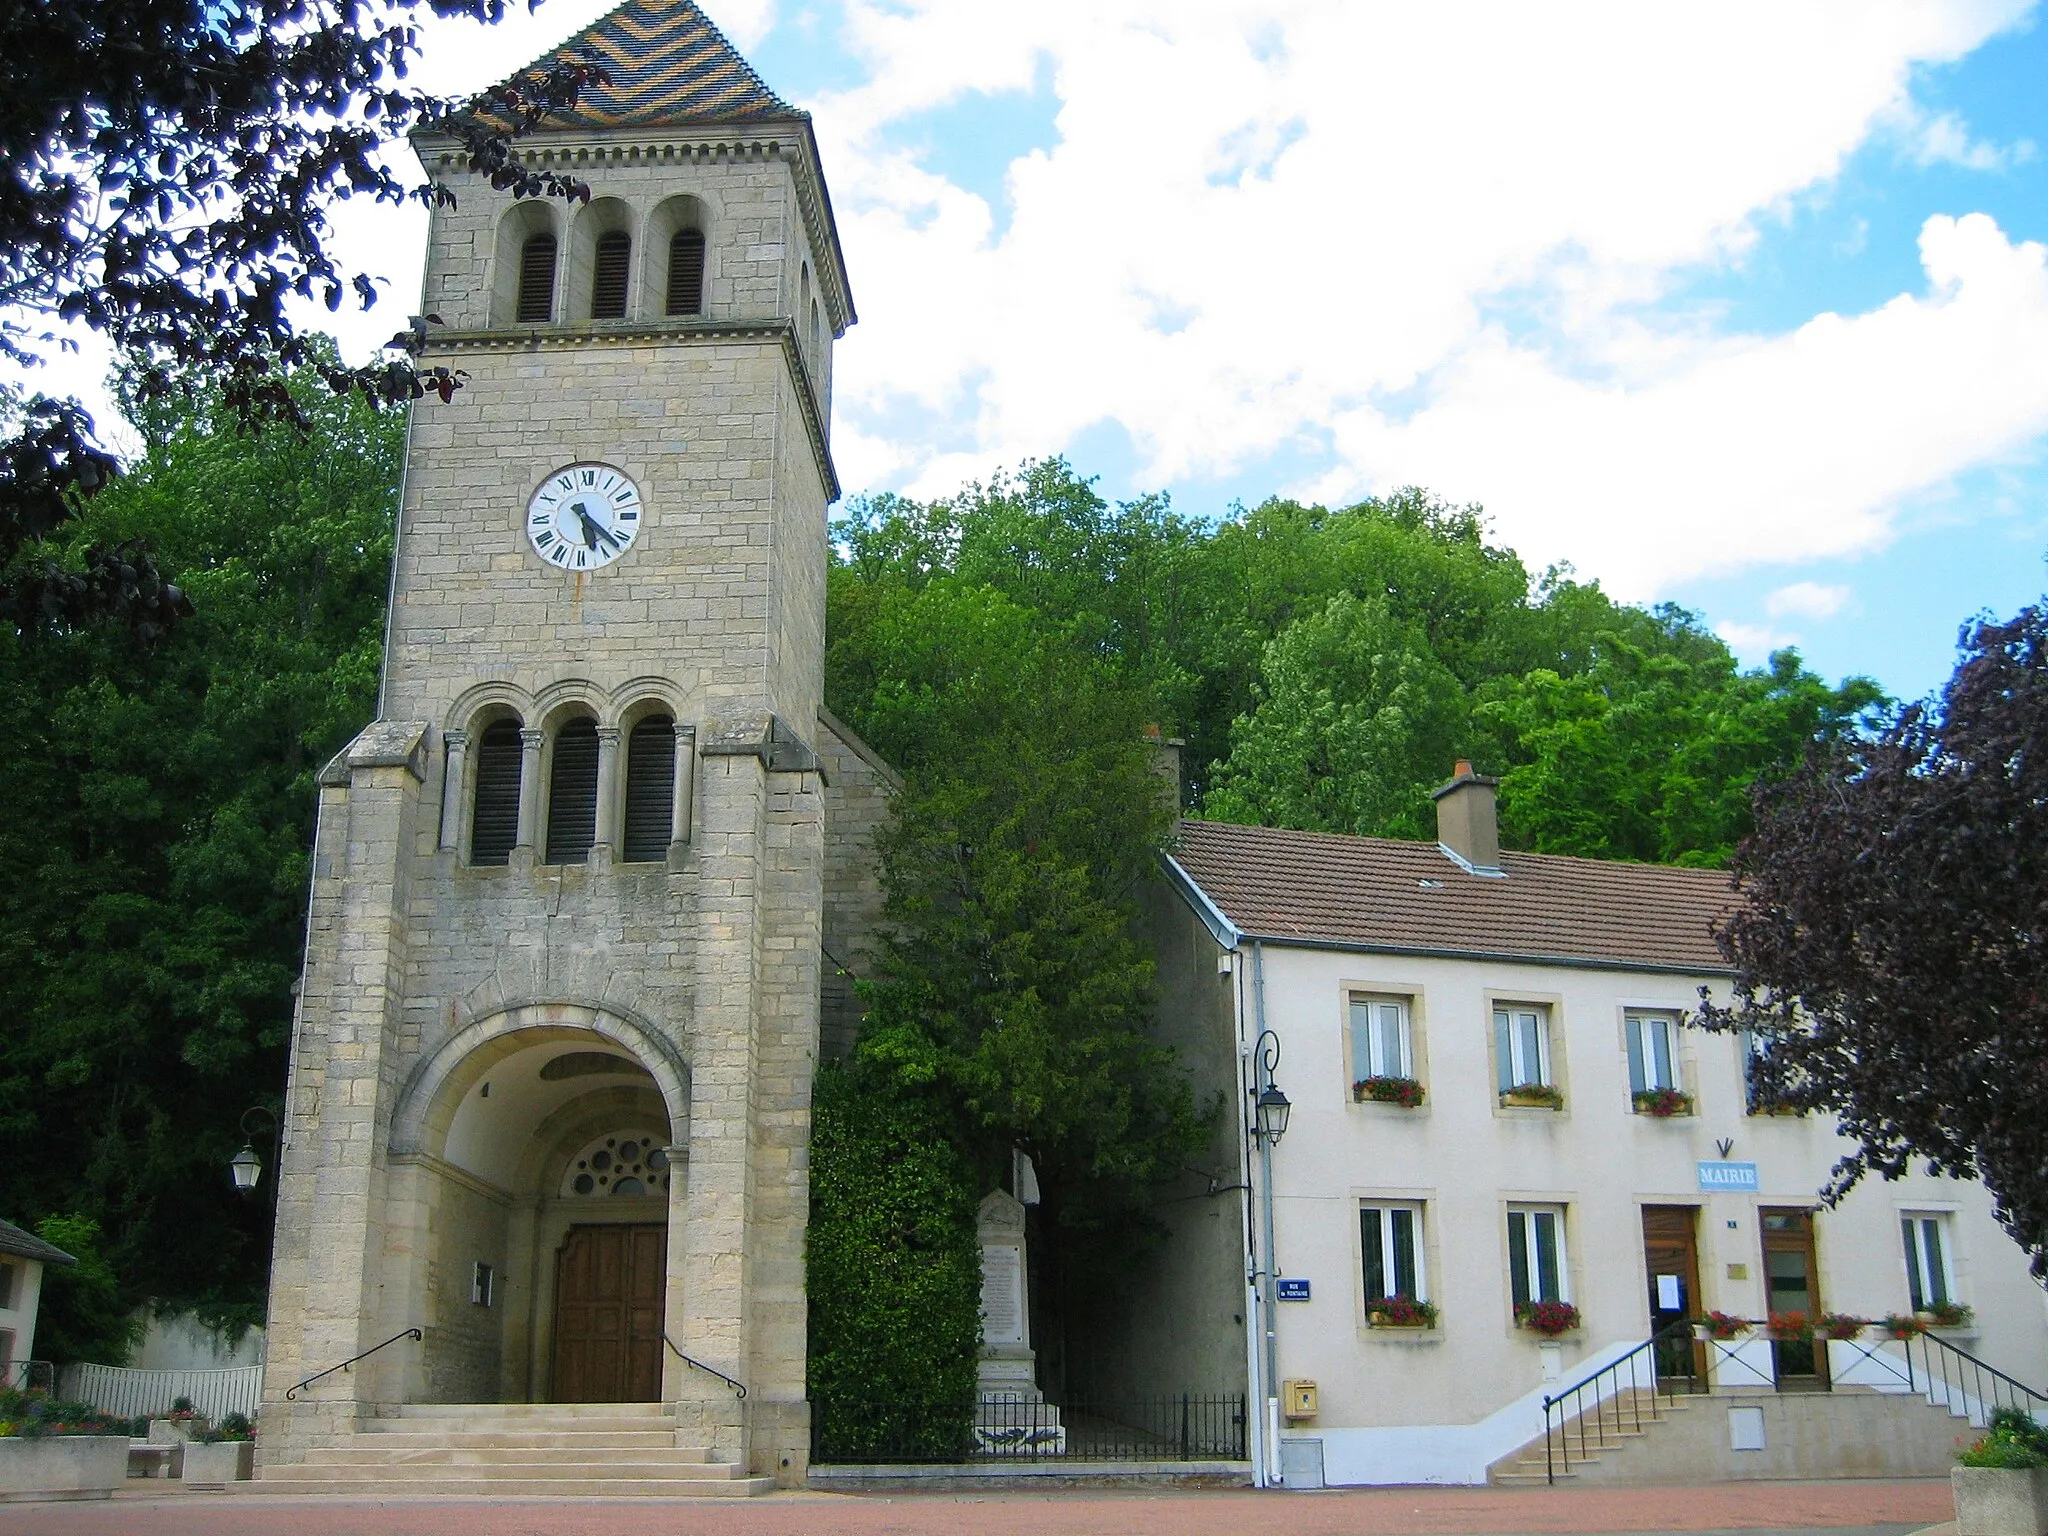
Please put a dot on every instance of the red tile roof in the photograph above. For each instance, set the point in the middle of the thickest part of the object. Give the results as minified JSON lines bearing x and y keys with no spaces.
{"x":1377,"y":893}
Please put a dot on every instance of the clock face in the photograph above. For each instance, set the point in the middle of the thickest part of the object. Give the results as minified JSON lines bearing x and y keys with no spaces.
{"x":584,"y":516}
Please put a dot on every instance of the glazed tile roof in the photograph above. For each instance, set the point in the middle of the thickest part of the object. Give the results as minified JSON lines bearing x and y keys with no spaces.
{"x":1377,"y":893}
{"x":668,"y":64}
{"x":27,"y":1245}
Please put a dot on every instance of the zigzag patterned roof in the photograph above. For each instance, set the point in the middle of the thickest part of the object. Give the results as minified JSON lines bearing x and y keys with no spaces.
{"x":668,"y":65}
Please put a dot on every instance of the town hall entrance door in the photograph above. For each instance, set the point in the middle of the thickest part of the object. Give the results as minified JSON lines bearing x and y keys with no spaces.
{"x":609,"y":1285}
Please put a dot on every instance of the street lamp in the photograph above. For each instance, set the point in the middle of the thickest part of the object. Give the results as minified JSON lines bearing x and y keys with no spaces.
{"x":246,"y":1166}
{"x":1271,"y":1114}
{"x":1269,"y":1124}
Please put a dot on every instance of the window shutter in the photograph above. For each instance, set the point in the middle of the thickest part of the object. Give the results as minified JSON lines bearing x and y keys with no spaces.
{"x":1548,"y":1285}
{"x":537,"y":280}
{"x":608,"y":284}
{"x":1664,"y":1055}
{"x":650,"y":790}
{"x":1518,"y":1257}
{"x":1638,"y":1077}
{"x":686,"y":273}
{"x":572,"y":794}
{"x":494,"y":824}
{"x":1504,"y":1051}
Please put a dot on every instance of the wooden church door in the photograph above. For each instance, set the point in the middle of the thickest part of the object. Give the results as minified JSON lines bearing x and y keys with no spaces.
{"x":609,"y":1285}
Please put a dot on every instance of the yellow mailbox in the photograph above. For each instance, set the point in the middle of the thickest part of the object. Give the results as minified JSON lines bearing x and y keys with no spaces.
{"x":1298,"y":1397}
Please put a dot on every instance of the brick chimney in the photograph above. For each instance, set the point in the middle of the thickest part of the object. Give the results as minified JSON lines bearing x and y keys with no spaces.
{"x":1467,"y":827}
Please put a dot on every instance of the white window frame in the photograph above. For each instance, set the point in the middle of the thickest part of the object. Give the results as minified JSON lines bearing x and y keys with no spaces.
{"x":1386,"y":1212}
{"x":1512,"y":1070}
{"x":1644,"y":1027}
{"x":1926,"y":1273}
{"x":1524,"y":1218}
{"x":1368,"y":1040}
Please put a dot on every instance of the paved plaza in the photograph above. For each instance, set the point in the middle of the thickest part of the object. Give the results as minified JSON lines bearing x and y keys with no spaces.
{"x":1872,"y":1508}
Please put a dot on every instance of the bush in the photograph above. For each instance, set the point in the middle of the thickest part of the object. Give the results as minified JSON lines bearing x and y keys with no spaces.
{"x":2013,"y":1439}
{"x":32,"y":1415}
{"x":894,"y":1269}
{"x":83,"y":1316}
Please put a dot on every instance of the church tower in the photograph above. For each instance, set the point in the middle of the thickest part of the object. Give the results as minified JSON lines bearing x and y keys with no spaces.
{"x":551,"y":1071}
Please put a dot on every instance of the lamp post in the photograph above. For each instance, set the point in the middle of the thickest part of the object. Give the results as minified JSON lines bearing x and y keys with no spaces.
{"x":1269,"y":1123}
{"x":246,"y":1166}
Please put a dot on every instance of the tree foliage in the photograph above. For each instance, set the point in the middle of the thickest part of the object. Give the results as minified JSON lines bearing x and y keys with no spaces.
{"x":156,"y":830}
{"x":168,"y":171}
{"x":1891,"y":951}
{"x":892,"y":1272}
{"x":83,"y":1314}
{"x":1327,"y":666}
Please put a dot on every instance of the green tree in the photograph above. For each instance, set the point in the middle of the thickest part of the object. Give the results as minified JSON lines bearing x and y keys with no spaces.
{"x":83,"y":1315}
{"x":893,"y":1271}
{"x":1357,"y":719}
{"x":157,"y":826}
{"x":1652,"y":757}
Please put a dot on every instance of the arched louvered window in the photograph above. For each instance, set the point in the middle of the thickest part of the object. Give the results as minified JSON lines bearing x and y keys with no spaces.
{"x":686,"y":273}
{"x":650,"y":789}
{"x":608,"y":280}
{"x":572,"y":794}
{"x":537,"y":280}
{"x":494,"y":821}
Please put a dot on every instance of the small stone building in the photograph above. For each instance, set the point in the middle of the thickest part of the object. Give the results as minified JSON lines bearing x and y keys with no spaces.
{"x":586,"y":892}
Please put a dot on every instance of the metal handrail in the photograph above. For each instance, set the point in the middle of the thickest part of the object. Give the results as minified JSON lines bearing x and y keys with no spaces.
{"x":294,"y":1391}
{"x":2005,"y":1391}
{"x":709,"y":1370}
{"x":1557,"y":1440}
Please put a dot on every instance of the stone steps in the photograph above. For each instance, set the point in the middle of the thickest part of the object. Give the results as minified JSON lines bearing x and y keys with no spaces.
{"x":551,"y":1450}
{"x":515,"y":1487}
{"x":1612,"y":1429}
{"x":382,"y":1454}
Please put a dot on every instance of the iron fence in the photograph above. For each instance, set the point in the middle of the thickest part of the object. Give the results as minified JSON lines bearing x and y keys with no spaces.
{"x":1187,"y":1426}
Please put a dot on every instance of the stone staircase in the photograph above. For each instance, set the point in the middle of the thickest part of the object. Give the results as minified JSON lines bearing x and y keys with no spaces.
{"x":561,"y":1450}
{"x":1621,"y":1423}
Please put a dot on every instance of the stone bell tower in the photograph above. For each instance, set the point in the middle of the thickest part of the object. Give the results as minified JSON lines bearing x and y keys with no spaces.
{"x":550,"y":1078}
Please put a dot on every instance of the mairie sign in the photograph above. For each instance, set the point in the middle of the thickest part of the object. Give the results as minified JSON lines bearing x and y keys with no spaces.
{"x":1727,"y":1178}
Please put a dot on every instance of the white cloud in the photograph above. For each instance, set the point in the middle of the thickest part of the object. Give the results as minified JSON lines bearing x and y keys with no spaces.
{"x":1806,"y":600}
{"x":1753,"y":643}
{"x":1944,"y":139}
{"x":1264,"y":222}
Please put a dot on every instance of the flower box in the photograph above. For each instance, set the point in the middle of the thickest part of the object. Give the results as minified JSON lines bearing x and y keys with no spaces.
{"x":1720,"y":1325}
{"x":2000,"y":1501}
{"x":1663,"y":1103}
{"x":1791,"y":1327}
{"x":1549,"y":1318}
{"x":62,"y":1466}
{"x":1401,"y":1312}
{"x":1950,"y":1314}
{"x":1840,"y":1326}
{"x":1403,"y":1091}
{"x":1532,"y":1096}
{"x":216,"y":1463}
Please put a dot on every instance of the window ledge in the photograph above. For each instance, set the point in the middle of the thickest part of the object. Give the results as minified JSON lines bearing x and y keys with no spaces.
{"x":1403,"y":1336}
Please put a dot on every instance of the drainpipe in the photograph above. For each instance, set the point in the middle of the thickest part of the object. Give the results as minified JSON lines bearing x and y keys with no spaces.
{"x":1269,"y":1388}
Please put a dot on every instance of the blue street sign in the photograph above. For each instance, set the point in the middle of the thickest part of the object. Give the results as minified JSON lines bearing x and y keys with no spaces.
{"x":1728,"y":1178}
{"x":1293,"y":1290}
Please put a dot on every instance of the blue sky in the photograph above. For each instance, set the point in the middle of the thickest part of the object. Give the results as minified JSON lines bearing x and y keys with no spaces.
{"x":1865,"y":537}
{"x":1734,"y":304}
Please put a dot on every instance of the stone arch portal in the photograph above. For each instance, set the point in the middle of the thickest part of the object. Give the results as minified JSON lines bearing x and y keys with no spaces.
{"x":540,"y":1164}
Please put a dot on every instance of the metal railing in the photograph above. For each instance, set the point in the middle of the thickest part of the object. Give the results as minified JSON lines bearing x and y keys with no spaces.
{"x":27,"y":1375}
{"x":1968,"y":1387}
{"x":709,"y":1370}
{"x":1610,"y":1398}
{"x":1178,"y":1427}
{"x":292,"y":1392}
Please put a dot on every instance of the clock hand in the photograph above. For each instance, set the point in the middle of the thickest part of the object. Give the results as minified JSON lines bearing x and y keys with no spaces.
{"x":593,"y":530}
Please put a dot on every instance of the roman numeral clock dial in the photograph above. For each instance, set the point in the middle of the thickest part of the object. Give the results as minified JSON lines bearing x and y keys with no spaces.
{"x":583,"y":517}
